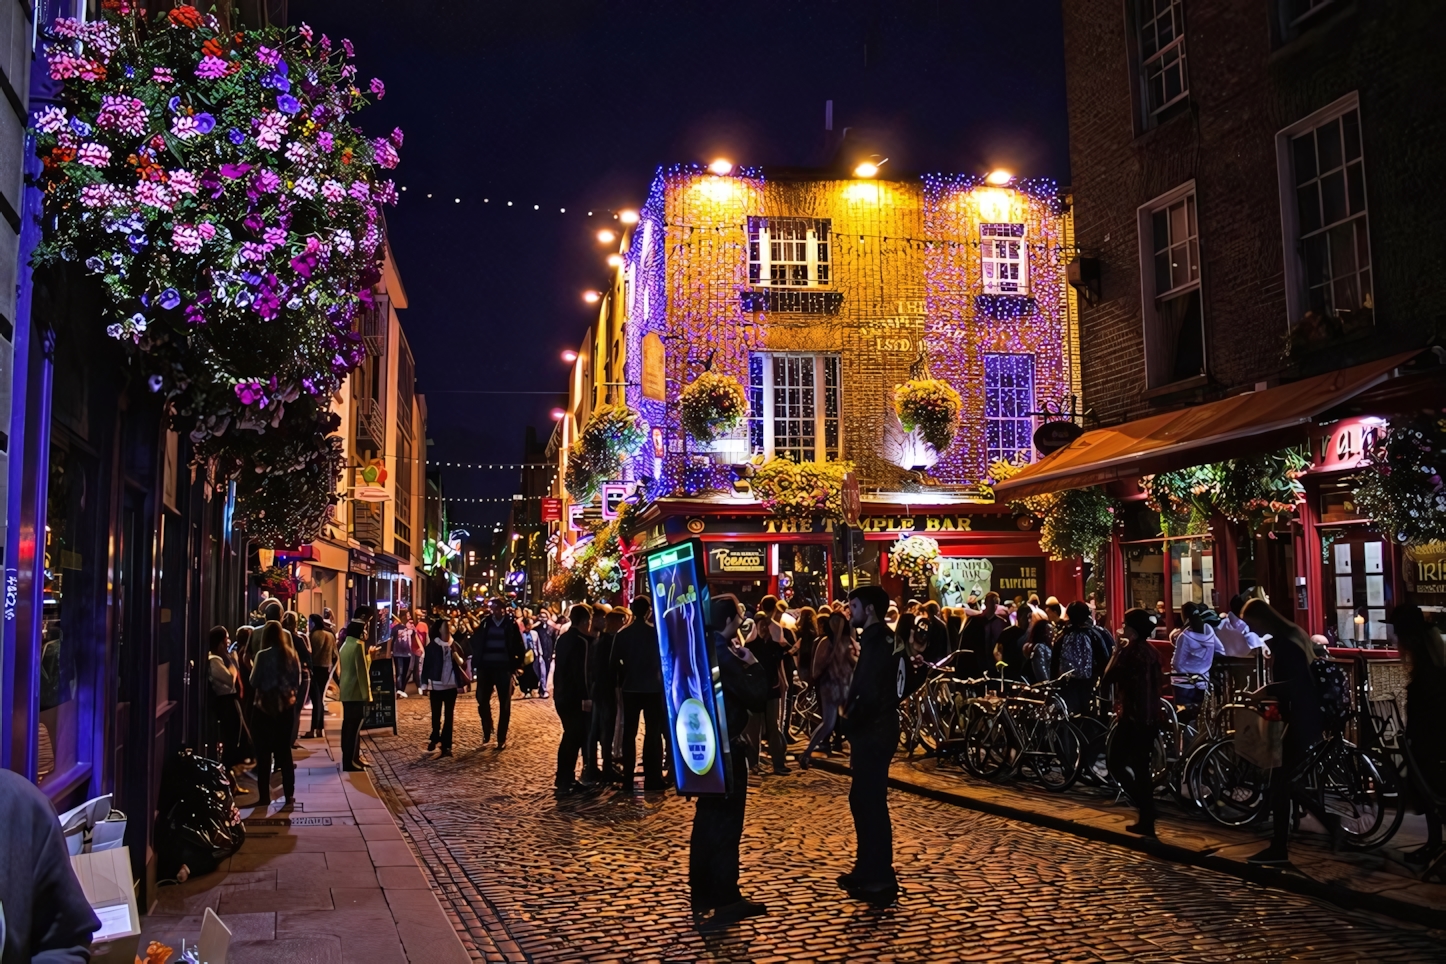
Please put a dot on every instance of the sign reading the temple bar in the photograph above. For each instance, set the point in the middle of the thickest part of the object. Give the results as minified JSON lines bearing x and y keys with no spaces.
{"x":1053,"y":436}
{"x":737,"y":560}
{"x":923,"y":523}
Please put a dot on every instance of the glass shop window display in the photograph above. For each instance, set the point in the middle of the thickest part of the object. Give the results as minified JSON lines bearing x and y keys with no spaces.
{"x":71,"y":485}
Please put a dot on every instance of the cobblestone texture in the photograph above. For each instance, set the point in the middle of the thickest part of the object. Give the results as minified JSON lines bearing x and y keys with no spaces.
{"x":529,"y":878}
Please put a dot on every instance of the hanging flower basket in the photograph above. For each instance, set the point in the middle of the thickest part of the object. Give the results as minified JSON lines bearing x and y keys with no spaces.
{"x":914,"y":558}
{"x":932,"y":406}
{"x":802,"y":492}
{"x":611,"y":436}
{"x":1257,"y":490}
{"x":1401,"y":485}
{"x":712,"y":405}
{"x":1074,"y":524}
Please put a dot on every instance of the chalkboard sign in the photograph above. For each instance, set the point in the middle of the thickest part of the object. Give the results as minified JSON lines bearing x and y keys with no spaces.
{"x":382,"y":710}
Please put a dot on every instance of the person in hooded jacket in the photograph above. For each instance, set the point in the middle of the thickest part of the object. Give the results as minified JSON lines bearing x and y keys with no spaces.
{"x":1196,"y":647}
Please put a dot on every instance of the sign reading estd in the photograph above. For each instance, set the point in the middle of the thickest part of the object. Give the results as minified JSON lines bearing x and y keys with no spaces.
{"x":694,"y":700}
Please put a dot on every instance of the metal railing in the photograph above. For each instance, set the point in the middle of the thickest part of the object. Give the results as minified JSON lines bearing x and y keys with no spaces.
{"x":366,"y":523}
{"x":371,"y":422}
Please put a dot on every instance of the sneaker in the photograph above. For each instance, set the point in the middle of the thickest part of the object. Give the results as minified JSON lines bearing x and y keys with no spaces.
{"x":401,"y":695}
{"x":782,"y":771}
{"x":446,"y":752}
{"x":1271,"y":856}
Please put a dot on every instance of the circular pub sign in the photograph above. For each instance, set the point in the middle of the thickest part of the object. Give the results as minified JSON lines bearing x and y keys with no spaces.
{"x":1050,"y":437}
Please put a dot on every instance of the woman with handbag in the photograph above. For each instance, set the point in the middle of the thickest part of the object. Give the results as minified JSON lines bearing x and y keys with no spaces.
{"x":276,"y":679}
{"x":444,"y":670}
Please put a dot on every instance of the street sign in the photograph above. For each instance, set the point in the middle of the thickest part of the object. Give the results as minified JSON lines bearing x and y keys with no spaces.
{"x":551,"y":510}
{"x":1052,"y":436}
{"x":852,"y":502}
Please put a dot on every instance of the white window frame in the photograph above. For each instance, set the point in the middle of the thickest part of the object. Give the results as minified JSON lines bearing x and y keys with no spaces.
{"x":1175,"y":47}
{"x":1028,"y":449}
{"x":820,"y":407}
{"x":1149,"y":309}
{"x":1013,"y":237}
{"x":1292,"y":245}
{"x":762,"y":240}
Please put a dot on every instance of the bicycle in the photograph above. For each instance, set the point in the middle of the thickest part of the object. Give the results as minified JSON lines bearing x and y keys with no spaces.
{"x":1027,"y":728}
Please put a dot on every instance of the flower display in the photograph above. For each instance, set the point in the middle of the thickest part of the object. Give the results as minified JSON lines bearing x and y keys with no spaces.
{"x":1256,"y":490}
{"x":610,"y":436}
{"x":1401,"y":484}
{"x":914,"y":558}
{"x":170,"y":172}
{"x":1074,"y":524}
{"x":932,"y":406}
{"x":802,"y":491}
{"x":712,"y":405}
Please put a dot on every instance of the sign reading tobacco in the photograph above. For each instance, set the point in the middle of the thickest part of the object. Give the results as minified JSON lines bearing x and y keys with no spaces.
{"x":751,"y":560}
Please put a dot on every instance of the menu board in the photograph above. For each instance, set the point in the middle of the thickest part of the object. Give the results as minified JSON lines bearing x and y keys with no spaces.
{"x":701,"y":760}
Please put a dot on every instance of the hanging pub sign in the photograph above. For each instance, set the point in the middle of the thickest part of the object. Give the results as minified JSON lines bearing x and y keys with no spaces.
{"x":551,"y":510}
{"x":654,"y":363}
{"x":1344,"y":444}
{"x":738,"y":559}
{"x":701,"y":757}
{"x":1050,"y":437}
{"x":613,"y":496}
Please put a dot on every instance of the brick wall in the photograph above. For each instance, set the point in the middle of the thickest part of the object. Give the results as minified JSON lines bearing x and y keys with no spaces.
{"x":1247,"y":82}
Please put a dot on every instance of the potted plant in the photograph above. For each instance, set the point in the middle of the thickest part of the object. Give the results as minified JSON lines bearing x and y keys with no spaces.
{"x":930,"y":406}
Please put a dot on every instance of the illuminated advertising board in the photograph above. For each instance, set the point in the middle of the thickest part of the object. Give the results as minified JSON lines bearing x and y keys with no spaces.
{"x":694,"y":699}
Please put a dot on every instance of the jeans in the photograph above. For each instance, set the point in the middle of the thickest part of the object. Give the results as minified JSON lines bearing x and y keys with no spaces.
{"x":444,"y":705}
{"x":497,"y":678}
{"x":1129,"y":764}
{"x":574,"y":733}
{"x":543,"y":666}
{"x":403,"y":665}
{"x":655,"y":720}
{"x":820,"y":737}
{"x":353,"y":712}
{"x":873,"y":750}
{"x":717,"y":833}
{"x":272,"y":735}
{"x":600,"y":733}
{"x":319,"y":677}
{"x":767,"y":726}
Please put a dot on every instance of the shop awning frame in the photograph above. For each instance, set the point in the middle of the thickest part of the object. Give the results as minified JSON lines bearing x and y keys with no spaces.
{"x":1230,"y":427}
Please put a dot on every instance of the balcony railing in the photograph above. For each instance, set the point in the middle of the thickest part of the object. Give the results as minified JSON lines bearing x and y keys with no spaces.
{"x":371,"y":423}
{"x":366,"y":523}
{"x":371,"y":324}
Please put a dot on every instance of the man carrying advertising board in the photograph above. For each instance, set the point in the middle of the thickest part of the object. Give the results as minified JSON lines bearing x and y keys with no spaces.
{"x":718,"y":820}
{"x":887,"y":671}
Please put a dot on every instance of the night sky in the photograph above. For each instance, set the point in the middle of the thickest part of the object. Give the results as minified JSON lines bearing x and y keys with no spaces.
{"x":572,"y":104}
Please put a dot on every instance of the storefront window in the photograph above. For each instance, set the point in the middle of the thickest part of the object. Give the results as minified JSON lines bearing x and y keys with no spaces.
{"x":1144,"y":576}
{"x":1356,"y":584}
{"x":60,"y":629}
{"x":1192,"y":573}
{"x":803,"y":575}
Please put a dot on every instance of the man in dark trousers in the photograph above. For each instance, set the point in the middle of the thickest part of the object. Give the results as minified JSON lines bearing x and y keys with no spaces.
{"x":934,"y":634}
{"x":497,"y":653}
{"x":640,"y":671}
{"x":718,"y":819}
{"x":887,"y":671}
{"x":569,"y":697}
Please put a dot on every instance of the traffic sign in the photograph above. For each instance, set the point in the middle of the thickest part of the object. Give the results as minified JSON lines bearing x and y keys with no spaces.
{"x":852,"y":501}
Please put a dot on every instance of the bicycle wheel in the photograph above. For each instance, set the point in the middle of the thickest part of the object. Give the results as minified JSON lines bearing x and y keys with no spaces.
{"x":1233,"y":791}
{"x":1363,"y":794}
{"x":1093,"y":734}
{"x":986,"y":744}
{"x":801,"y":721}
{"x":1055,"y":757}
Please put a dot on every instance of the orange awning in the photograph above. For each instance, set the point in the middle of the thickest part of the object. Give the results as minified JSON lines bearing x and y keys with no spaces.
{"x":1230,"y":427}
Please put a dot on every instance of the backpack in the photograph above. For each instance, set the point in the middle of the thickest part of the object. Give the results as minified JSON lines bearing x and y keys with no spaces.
{"x":1333,"y":689}
{"x":1076,"y":652}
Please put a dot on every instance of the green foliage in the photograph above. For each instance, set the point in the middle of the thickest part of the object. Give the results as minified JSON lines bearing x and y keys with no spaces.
{"x":802,"y":492}
{"x":932,"y":406}
{"x":611,"y":435}
{"x":712,"y":405}
{"x":1401,"y":485}
{"x":1256,"y":490}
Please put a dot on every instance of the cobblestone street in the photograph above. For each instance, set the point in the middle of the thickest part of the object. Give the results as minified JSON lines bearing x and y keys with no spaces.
{"x":604,"y":878}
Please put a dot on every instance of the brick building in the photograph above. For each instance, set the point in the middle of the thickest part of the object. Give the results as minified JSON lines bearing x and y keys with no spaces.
{"x":1259,"y":267}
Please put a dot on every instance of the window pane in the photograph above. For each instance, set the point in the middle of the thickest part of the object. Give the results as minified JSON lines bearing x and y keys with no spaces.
{"x":1328,"y":143}
{"x":1363,"y":251}
{"x":1162,"y":230}
{"x":1351,"y":132}
{"x":1182,"y":333}
{"x":1179,"y":224}
{"x":1304,"y":150}
{"x":1315,"y":260}
{"x":1162,"y":272}
{"x":1356,"y":188}
{"x":1308,"y":204}
{"x":1333,"y":197}
{"x":1343,"y":250}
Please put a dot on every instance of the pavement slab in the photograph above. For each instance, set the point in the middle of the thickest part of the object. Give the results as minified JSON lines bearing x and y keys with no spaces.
{"x":523,"y":876}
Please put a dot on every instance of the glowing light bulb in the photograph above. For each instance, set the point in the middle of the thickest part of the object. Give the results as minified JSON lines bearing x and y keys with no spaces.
{"x":569,"y":356}
{"x":721,"y":166}
{"x":866,"y":169}
{"x":628,"y":217}
{"x":558,"y":415}
{"x":615,"y":260}
{"x":999,"y":177}
{"x":591,"y":297}
{"x":606,"y":236}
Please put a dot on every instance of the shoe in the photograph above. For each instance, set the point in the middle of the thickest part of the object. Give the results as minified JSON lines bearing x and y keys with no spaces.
{"x":880,"y":895}
{"x":296,"y":746}
{"x":501,"y":745}
{"x":353,"y":769}
{"x":848,"y":880}
{"x":803,"y":762}
{"x":445,"y":752}
{"x":432,"y":744}
{"x":733,"y":913}
{"x":1142,"y":829}
{"x":655,"y":788}
{"x":363,"y":764}
{"x":782,"y":771}
{"x":755,"y":770}
{"x":569,"y":790}
{"x":1271,"y":856}
{"x":290,"y":803}
{"x":401,"y":696}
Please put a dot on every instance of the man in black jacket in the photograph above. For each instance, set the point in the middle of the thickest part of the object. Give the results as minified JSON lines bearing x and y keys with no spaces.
{"x":887,"y":671}
{"x":46,"y":916}
{"x":569,"y":696}
{"x":933,"y":633}
{"x":640,"y":671}
{"x":718,"y":820}
{"x":497,"y":653}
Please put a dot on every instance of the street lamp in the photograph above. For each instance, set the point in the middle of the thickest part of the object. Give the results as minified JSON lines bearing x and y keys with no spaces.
{"x":615,"y":261}
{"x":569,"y":356}
{"x":606,"y":237}
{"x":558,"y":414}
{"x":591,"y":297}
{"x":721,"y":166}
{"x":870,"y":167}
{"x":628,"y":217}
{"x":998,"y":177}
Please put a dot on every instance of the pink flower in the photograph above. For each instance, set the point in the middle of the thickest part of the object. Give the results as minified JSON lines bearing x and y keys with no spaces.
{"x":346,"y":45}
{"x":296,"y":152}
{"x":186,"y":239}
{"x":64,"y":66}
{"x":51,"y":120}
{"x":378,"y":88}
{"x":153,"y":194}
{"x":305,"y":187}
{"x":125,"y":114}
{"x":305,"y":31}
{"x":386,"y":154}
{"x":207,"y":230}
{"x":267,"y":181}
{"x":270,"y":128}
{"x":396,"y":137}
{"x":385,"y":193}
{"x":359,"y":191}
{"x":343,"y":240}
{"x":268,"y":56}
{"x":184,"y":182}
{"x":275,"y":236}
{"x":185,"y":127}
{"x":251,"y":251}
{"x":92,"y":154}
{"x":67,"y":27}
{"x":333,"y":192}
{"x":325,"y":141}
{"x":163,"y":75}
{"x":210,"y":68}
{"x":104,"y":196}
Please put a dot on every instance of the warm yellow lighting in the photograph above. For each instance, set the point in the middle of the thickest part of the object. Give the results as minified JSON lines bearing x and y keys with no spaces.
{"x":870,"y":192}
{"x":606,"y":236}
{"x":628,"y":217}
{"x":718,"y":189}
{"x":721,"y":166}
{"x":615,"y":260}
{"x":999,"y":177}
{"x":995,"y":204}
{"x":866,"y":169}
{"x":591,"y":297}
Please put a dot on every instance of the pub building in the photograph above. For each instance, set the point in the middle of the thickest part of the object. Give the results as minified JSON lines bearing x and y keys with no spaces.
{"x":750,"y":553}
{"x":1327,"y":566}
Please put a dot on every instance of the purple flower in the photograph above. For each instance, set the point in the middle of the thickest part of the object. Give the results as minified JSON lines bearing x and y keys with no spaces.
{"x":170,"y":299}
{"x":236,"y":137}
{"x":268,"y":56}
{"x":254,"y":223}
{"x":194,"y":315}
{"x":155,"y":383}
{"x":210,"y":68}
{"x":303,"y":264}
{"x":234,"y":171}
{"x":325,"y":141}
{"x":249,"y":393}
{"x":287,"y":104}
{"x":396,"y":137}
{"x":378,"y":88}
{"x":346,"y":45}
{"x":267,"y":181}
{"x":205,"y":123}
